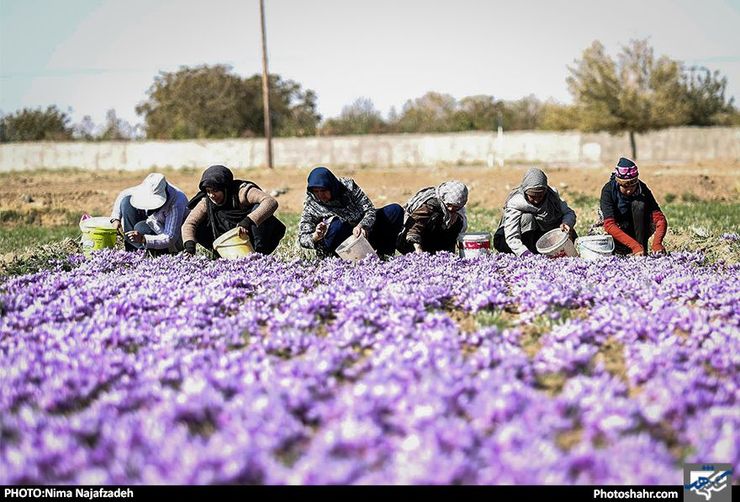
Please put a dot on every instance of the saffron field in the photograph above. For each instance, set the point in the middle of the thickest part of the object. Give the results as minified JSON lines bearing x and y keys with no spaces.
{"x":419,"y":369}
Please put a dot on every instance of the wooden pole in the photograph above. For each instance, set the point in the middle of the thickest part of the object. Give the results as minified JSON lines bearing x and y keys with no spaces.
{"x":266,"y":87}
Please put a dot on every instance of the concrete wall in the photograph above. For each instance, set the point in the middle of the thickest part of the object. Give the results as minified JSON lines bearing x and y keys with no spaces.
{"x":678,"y":145}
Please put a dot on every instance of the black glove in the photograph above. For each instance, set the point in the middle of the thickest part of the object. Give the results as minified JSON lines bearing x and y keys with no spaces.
{"x":246,"y":223}
{"x":190,"y":247}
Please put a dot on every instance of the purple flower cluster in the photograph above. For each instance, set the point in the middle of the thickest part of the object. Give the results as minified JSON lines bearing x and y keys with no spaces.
{"x":184,"y":370}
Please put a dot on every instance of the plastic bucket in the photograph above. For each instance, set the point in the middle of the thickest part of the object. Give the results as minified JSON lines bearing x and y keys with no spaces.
{"x":355,"y":249}
{"x":231,"y":246}
{"x":474,"y":244}
{"x":97,"y":233}
{"x":593,"y":247}
{"x":555,"y":244}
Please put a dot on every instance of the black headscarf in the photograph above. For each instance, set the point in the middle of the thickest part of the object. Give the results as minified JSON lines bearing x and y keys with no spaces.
{"x":227,"y":215}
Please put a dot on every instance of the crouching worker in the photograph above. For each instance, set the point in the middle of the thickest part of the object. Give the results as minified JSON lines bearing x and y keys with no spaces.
{"x":631,"y":213}
{"x":223,"y":204}
{"x":336,"y":208}
{"x":150,"y":215}
{"x":435,"y":218}
{"x":531,"y":210}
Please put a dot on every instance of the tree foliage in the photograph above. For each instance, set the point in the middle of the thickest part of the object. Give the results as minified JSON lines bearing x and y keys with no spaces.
{"x":432,"y":112}
{"x":361,"y":117}
{"x":212,"y":102}
{"x":638,"y":92}
{"x":479,"y":113}
{"x":115,"y":129}
{"x":36,"y":125}
{"x":705,"y":96}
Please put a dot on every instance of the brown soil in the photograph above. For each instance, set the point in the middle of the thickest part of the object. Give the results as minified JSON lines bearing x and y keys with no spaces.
{"x":52,"y":195}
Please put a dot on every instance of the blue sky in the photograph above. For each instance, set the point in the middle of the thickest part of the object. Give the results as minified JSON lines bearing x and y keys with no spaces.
{"x":87,"y":56}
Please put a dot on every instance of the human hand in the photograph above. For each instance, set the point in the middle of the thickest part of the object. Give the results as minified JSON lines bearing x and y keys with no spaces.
{"x":658,"y":250}
{"x":117,"y":226}
{"x":243,"y":232}
{"x":189,"y":248}
{"x":135,"y":236}
{"x":359,"y":230}
{"x":638,"y":251}
{"x":565,"y":227}
{"x":417,"y":248}
{"x":320,"y":231}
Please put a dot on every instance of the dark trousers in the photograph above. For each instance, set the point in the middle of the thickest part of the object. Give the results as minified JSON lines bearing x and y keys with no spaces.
{"x":382,"y":237}
{"x":435,"y":238}
{"x":529,"y":239}
{"x":637,"y":225}
{"x":264,"y":238}
{"x":133,"y":219}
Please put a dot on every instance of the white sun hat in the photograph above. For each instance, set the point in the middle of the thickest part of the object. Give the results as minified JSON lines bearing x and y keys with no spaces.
{"x":151,"y":194}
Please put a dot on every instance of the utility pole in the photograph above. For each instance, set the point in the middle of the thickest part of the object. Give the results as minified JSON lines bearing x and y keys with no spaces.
{"x":266,"y":87}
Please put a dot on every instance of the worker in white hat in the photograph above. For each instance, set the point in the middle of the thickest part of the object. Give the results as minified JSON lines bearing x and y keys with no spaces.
{"x":150,"y":215}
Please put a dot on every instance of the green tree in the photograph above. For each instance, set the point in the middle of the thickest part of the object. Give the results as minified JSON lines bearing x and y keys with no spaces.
{"x":36,"y":125}
{"x":292,"y":110}
{"x":85,"y":130}
{"x":636,"y":93}
{"x":433,"y":112}
{"x":478,"y":113}
{"x":200,"y":102}
{"x":522,"y":114}
{"x":705,"y":96}
{"x":558,"y":117}
{"x":212,"y":102}
{"x":115,"y":129}
{"x":361,"y":117}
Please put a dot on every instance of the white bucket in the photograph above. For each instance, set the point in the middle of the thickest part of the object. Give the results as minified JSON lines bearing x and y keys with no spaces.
{"x":555,"y":244}
{"x":474,"y":244}
{"x":355,"y":249}
{"x":593,"y":247}
{"x":231,"y":246}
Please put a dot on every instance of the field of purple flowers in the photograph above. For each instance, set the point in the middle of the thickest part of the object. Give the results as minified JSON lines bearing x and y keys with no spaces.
{"x":421,"y":369}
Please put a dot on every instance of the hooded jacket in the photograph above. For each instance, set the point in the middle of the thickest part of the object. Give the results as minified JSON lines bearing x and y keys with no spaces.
{"x":520,"y":216}
{"x":348,"y":202}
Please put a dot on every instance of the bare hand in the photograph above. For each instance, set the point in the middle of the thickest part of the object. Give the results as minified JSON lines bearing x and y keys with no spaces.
{"x":320,"y":231}
{"x":135,"y":236}
{"x":243,"y":233}
{"x":359,"y":230}
{"x":417,"y":248}
{"x":117,"y":226}
{"x":565,"y":227}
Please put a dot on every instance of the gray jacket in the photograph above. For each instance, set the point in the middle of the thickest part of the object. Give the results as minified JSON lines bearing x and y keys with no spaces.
{"x":520,"y":216}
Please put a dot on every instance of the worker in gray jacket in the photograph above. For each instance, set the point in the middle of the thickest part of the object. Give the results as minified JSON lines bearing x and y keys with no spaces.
{"x":531,"y":210}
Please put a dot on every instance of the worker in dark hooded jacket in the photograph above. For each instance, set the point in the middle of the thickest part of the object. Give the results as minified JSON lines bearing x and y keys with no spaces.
{"x":531,"y":210}
{"x":630,"y":212}
{"x":336,"y":208}
{"x":223,"y":204}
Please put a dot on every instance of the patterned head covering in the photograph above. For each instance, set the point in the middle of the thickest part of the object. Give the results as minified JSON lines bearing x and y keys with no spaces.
{"x":625,"y":169}
{"x":453,"y":192}
{"x":449,"y":192}
{"x":456,"y":194}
